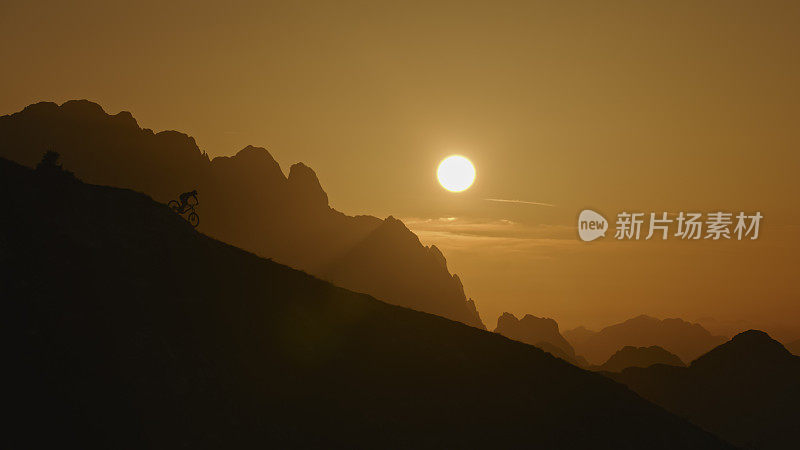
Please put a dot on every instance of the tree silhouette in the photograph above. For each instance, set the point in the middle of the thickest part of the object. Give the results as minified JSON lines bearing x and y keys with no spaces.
{"x":49,"y":161}
{"x":49,"y":165}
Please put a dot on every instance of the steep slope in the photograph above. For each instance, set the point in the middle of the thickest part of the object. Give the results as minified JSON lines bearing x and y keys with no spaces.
{"x":132,"y":330}
{"x":418,"y":278}
{"x":746,"y":390}
{"x":794,"y":347}
{"x":687,"y":340}
{"x":629,"y":356}
{"x":245,"y":200}
{"x":537,"y":331}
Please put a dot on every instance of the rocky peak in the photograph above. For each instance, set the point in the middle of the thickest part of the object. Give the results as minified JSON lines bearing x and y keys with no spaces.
{"x":533,"y":330}
{"x":396,"y":231}
{"x":254,"y":164}
{"x":438,"y":256}
{"x":506,"y":321}
{"x":126,"y":119}
{"x":83,"y":109}
{"x":303,"y":182}
{"x":544,"y":323}
{"x":38,"y":109}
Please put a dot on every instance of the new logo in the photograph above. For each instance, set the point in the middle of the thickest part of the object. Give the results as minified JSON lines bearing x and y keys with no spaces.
{"x":591,"y":225}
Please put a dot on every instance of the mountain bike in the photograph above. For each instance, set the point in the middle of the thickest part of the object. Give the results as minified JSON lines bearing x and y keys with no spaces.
{"x":189,"y":206}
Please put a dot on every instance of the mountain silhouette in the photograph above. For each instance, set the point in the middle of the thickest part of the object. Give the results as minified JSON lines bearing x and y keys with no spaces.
{"x":245,"y":200}
{"x":427,"y":285}
{"x":746,"y":390}
{"x":687,"y":340}
{"x":131,"y":329}
{"x":539,"y":332}
{"x":630,"y":356}
{"x":579,"y":334}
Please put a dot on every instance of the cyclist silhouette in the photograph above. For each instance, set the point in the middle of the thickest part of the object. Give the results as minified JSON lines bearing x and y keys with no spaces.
{"x":186,"y":206}
{"x":184,"y":199}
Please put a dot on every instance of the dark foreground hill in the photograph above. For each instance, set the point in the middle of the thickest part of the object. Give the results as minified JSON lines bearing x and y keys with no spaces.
{"x":746,"y":390}
{"x":128,"y":329}
{"x":245,"y":200}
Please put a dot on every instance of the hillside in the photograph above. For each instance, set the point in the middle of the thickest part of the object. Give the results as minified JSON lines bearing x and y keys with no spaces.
{"x":245,"y":200}
{"x":685,"y":339}
{"x":630,"y":356}
{"x":133,"y":330}
{"x":746,"y":390}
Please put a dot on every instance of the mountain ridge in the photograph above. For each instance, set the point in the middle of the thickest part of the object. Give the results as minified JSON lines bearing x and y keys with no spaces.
{"x":287,"y":218}
{"x":685,"y":339}
{"x":630,"y":356}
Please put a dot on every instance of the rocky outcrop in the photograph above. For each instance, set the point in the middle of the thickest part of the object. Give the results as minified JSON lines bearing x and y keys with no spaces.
{"x":392,"y":264}
{"x":539,"y":332}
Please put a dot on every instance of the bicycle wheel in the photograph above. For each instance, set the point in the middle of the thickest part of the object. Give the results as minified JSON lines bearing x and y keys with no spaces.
{"x":194,"y":219}
{"x":174,"y":206}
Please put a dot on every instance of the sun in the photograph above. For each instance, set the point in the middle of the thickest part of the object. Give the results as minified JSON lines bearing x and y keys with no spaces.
{"x":456,"y":173}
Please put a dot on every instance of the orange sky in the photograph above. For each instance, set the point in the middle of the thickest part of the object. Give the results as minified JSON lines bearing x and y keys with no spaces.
{"x":631,"y":105}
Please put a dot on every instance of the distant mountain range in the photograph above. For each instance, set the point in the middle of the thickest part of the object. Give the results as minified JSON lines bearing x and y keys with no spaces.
{"x":783,"y":332}
{"x":539,"y":332}
{"x":746,"y":390}
{"x":245,"y":200}
{"x":133,"y":330}
{"x":687,"y":340}
{"x":630,"y":356}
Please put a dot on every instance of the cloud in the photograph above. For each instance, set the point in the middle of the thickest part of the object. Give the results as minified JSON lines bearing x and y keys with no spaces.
{"x":524,"y":202}
{"x":495,"y":242}
{"x":489,"y":228}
